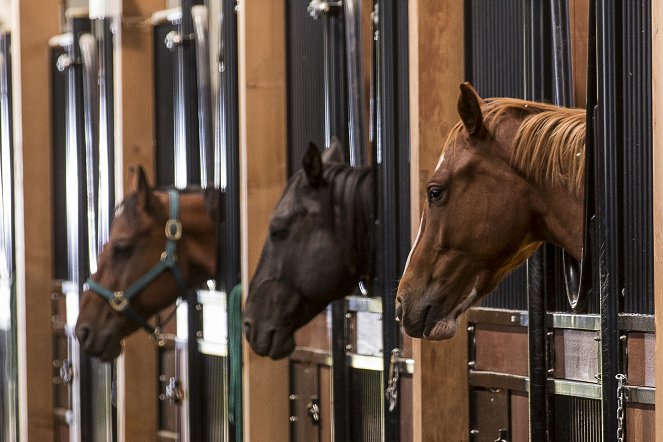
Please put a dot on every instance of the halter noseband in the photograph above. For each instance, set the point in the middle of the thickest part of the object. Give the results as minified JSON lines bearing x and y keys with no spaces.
{"x":120,"y":300}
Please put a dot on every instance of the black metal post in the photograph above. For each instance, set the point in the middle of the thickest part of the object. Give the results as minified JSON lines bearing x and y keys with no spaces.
{"x":186,"y":64}
{"x":608,"y":131}
{"x":391,"y":162}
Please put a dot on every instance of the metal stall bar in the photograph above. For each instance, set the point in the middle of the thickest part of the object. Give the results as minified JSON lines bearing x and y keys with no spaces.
{"x":99,"y":376}
{"x":391,"y":160}
{"x":355,"y":75}
{"x":76,"y":229}
{"x":200,"y":19}
{"x":607,"y":249}
{"x":226,"y":181}
{"x":8,"y":350}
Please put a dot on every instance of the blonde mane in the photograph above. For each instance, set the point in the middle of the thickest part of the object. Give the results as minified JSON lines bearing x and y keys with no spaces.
{"x":549,"y":146}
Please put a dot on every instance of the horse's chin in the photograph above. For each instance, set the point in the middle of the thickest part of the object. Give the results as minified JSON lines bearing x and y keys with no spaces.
{"x":279,"y":344}
{"x":441,"y":329}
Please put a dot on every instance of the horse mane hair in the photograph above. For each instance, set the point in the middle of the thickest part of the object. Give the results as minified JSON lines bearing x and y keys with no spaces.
{"x":549,"y":146}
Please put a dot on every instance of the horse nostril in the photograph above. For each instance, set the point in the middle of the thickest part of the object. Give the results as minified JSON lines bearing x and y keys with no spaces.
{"x":399,"y":312}
{"x":82,"y":333}
{"x":246,"y":326}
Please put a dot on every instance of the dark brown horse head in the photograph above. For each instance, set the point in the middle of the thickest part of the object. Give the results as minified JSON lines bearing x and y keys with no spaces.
{"x":310,"y":256}
{"x":135,"y":245}
{"x":509,"y":177}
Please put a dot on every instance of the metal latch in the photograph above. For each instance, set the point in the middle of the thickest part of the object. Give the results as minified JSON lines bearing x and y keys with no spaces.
{"x":66,"y":371}
{"x":174,"y":391}
{"x":313,"y":409}
{"x":317,"y":8}
{"x":391,"y":392}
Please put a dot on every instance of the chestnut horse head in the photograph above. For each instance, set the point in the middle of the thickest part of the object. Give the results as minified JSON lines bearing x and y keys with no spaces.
{"x":317,"y":250}
{"x":139,"y":244}
{"x":510,"y":177}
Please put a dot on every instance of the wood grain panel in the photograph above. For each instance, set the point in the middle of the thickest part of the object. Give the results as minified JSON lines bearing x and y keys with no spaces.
{"x":519,"y":417}
{"x":439,"y":392}
{"x":315,"y":334}
{"x":33,"y":23}
{"x":657,"y":157}
{"x":579,"y":28}
{"x":138,"y":393}
{"x":325,"y":404}
{"x":262,"y":103}
{"x":641,"y":352}
{"x":501,"y":349}
{"x":640,"y":423}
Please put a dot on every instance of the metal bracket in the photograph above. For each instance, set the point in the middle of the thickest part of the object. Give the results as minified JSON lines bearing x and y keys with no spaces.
{"x":65,"y":61}
{"x":118,"y":302}
{"x":66,"y":372}
{"x":174,"y":39}
{"x":174,"y":391}
{"x":318,"y":8}
{"x":313,"y":410}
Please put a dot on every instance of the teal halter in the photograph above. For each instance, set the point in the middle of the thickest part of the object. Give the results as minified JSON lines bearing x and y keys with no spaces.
{"x":120,"y":300}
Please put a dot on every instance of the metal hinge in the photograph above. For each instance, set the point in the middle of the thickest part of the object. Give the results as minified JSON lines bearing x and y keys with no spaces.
{"x":318,"y":8}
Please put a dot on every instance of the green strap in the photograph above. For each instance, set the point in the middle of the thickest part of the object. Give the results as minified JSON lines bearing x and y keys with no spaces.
{"x":235,"y":357}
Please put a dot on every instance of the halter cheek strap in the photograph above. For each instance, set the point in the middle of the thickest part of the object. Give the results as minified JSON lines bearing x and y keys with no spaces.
{"x":120,"y":300}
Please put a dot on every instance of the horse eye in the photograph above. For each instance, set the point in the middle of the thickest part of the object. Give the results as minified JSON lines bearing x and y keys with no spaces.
{"x":278,"y":234}
{"x":435,"y":194}
{"x":122,"y":250}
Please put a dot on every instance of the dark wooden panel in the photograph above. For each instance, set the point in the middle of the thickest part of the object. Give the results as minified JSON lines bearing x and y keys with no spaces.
{"x":641,"y":359}
{"x":576,"y":355}
{"x":315,"y":334}
{"x":519,"y":417}
{"x":304,"y":388}
{"x":501,"y":348}
{"x":491,"y":413}
{"x":405,"y":398}
{"x":640,"y":422}
{"x":325,"y":404}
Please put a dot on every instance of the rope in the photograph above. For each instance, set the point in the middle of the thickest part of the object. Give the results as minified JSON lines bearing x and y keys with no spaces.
{"x":235,"y":356}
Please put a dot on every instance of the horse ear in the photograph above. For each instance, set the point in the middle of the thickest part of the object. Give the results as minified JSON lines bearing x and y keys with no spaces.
{"x":469,"y":109}
{"x":312,"y":164}
{"x":334,"y":153}
{"x":141,"y":186}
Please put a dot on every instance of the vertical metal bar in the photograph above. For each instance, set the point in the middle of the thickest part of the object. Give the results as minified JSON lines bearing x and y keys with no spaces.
{"x":8,"y":355}
{"x":200,"y":18}
{"x":538,"y":366}
{"x":392,"y":170}
{"x":608,"y":131}
{"x":355,"y":77}
{"x":227,"y":159}
{"x":187,"y":85}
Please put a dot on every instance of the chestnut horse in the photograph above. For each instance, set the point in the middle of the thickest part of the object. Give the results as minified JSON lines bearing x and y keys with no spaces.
{"x":120,"y":297}
{"x":510,"y":177}
{"x":319,"y":247}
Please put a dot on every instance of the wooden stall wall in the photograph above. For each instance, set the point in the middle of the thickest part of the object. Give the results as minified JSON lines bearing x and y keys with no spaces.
{"x":134,"y":71}
{"x":657,"y":146}
{"x":440,"y":408}
{"x":262,"y":102}
{"x":34,"y":22}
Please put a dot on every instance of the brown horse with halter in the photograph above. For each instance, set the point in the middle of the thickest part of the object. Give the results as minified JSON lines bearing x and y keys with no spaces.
{"x":161,"y":244}
{"x":509,"y":178}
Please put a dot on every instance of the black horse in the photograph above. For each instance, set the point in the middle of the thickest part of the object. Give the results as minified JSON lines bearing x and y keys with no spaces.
{"x":319,"y":247}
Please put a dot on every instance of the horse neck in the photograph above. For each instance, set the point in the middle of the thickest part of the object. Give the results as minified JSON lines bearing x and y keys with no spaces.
{"x":561,"y":218}
{"x":199,"y":237}
{"x":354,"y":203}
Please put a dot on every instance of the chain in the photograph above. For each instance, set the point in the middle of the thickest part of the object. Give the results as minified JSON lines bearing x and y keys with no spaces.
{"x":621,"y":379}
{"x":394,"y":375}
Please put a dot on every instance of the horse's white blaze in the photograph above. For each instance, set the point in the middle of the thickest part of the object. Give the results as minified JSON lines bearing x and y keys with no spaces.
{"x":414,"y":245}
{"x":439,"y":162}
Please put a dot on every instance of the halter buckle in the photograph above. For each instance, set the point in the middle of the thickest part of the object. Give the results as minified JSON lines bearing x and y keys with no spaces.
{"x":118,"y":302}
{"x":173,"y":229}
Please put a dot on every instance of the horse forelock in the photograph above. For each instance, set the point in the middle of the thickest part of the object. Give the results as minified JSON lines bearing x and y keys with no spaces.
{"x":549,"y":145}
